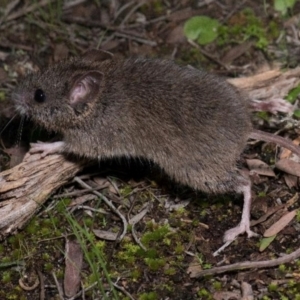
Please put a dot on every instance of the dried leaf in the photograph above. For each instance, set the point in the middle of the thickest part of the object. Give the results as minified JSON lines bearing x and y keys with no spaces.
{"x":290,"y":180}
{"x":286,"y":152}
{"x":82,"y":199}
{"x":74,"y":259}
{"x":247,"y":291}
{"x":236,"y":52}
{"x":139,"y":216}
{"x":259,"y":167}
{"x":105,"y":235}
{"x":194,"y":268}
{"x":176,"y":35}
{"x":288,"y":166}
{"x":171,"y":206}
{"x":225,"y":295}
{"x":280,"y":224}
{"x":292,"y":201}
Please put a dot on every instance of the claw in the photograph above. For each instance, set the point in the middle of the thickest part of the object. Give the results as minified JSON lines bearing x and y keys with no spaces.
{"x":244,"y":226}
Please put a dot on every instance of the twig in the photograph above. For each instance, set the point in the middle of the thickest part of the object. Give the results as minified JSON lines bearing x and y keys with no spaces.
{"x":98,"y":210}
{"x":161,"y":18}
{"x":206,"y":54}
{"x":59,"y":289}
{"x":234,"y":10}
{"x":250,"y":265}
{"x":77,"y":193}
{"x":135,"y":38}
{"x":136,"y":239}
{"x":27,"y":10}
{"x":83,"y":290}
{"x":120,"y":288}
{"x":131,"y":12}
{"x":42,"y":285}
{"x":70,"y":4}
{"x":108,"y":203}
{"x":25,"y":287}
{"x":123,"y":8}
{"x":8,"y":9}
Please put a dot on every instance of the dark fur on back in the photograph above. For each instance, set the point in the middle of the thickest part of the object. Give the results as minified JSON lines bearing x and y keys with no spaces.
{"x":192,"y":124}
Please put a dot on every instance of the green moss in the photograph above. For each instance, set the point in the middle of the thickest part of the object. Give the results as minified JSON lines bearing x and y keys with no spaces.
{"x":273,"y":287}
{"x":129,"y":253}
{"x":245,"y":26}
{"x":88,"y":222}
{"x":155,"y":264}
{"x":48,"y":267}
{"x":45,"y":231}
{"x":262,"y":194}
{"x":136,"y":274}
{"x":2,"y":95}
{"x":6,"y":277}
{"x":62,"y":204}
{"x":148,"y":296}
{"x":179,"y":248}
{"x":298,"y":216}
{"x":157,"y":233}
{"x":14,"y":241}
{"x":217,"y":285}
{"x":282,"y":268}
{"x":126,"y":190}
{"x":12,"y":296}
{"x":33,"y":226}
{"x":16,"y":254}
{"x":59,"y":274}
{"x":170,"y":271}
{"x":46,"y":256}
{"x":204,"y":294}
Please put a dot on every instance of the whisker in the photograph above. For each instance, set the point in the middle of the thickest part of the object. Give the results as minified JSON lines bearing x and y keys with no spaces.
{"x":6,"y":125}
{"x":20,"y":130}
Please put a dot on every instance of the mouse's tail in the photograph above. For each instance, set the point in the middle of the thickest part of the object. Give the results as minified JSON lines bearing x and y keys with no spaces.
{"x":271,"y":138}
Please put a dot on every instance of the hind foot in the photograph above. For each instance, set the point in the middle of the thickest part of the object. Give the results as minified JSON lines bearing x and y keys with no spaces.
{"x":231,"y":234}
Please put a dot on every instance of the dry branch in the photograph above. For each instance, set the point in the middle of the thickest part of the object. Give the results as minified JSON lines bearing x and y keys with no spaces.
{"x":268,"y":85}
{"x":24,"y":188}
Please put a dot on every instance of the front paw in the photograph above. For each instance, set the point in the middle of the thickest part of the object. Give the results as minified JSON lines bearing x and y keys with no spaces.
{"x":46,"y":148}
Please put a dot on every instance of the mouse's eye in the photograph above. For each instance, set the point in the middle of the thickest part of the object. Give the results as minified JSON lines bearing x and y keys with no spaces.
{"x":39,"y":96}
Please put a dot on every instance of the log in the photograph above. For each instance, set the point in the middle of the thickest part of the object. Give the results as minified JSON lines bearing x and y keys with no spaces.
{"x":25,"y":187}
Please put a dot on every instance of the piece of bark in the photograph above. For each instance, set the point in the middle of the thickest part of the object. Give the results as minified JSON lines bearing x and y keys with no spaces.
{"x":268,"y":85}
{"x":24,"y":188}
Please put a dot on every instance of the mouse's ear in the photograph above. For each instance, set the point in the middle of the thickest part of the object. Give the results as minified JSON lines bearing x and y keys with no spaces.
{"x":97,"y":55}
{"x":85,"y":87}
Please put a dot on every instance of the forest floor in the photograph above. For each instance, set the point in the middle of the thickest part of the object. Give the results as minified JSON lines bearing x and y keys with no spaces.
{"x":177,"y":230}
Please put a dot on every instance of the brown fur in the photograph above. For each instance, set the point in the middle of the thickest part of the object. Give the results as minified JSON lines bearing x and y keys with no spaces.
{"x":192,"y":124}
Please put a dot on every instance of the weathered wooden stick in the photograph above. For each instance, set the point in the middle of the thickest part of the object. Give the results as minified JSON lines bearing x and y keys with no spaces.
{"x":25,"y":187}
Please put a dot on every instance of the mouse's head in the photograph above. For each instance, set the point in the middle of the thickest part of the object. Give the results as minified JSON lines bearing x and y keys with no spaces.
{"x":62,"y":96}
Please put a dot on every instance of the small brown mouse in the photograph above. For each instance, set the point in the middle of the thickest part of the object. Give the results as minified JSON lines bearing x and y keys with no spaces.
{"x":192,"y":124}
